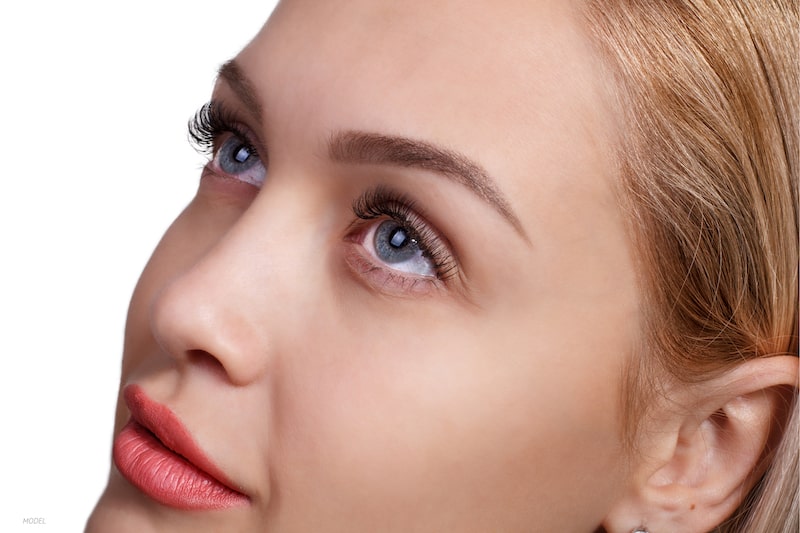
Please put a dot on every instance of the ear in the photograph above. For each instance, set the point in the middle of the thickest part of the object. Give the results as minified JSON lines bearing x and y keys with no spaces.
{"x":698,"y":462}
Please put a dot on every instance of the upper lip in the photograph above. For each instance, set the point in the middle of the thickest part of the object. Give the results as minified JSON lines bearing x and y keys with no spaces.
{"x":167,"y":428}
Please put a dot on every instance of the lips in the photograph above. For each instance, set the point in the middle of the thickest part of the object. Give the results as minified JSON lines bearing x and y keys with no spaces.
{"x":157,"y":454}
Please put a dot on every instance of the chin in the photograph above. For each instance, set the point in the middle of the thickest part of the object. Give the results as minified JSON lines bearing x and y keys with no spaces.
{"x":124,"y":509}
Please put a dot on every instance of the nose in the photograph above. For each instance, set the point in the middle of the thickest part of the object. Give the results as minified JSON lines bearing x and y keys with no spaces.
{"x":220,"y":305}
{"x":197,"y":317}
{"x":244,"y":292}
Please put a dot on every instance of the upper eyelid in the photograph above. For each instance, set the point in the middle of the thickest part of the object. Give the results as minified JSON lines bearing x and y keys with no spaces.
{"x":216,"y":113}
{"x":237,"y":132}
{"x":254,"y":140}
{"x":246,"y":133}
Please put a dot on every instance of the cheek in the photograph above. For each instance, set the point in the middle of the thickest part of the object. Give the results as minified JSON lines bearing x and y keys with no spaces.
{"x":449,"y":411}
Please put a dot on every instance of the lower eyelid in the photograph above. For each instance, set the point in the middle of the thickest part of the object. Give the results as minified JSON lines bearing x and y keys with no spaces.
{"x":221,"y":188}
{"x":384,"y":279}
{"x":213,"y":168}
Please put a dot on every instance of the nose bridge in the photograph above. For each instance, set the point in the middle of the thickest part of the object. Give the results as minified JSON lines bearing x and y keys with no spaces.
{"x":232,"y":301}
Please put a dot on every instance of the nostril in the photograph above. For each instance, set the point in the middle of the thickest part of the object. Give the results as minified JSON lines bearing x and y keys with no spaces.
{"x":202,"y":358}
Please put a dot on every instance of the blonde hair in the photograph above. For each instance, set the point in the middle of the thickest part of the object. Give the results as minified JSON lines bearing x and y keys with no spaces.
{"x":707,"y":92}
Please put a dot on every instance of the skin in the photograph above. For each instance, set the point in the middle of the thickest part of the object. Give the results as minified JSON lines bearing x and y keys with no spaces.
{"x":335,"y":396}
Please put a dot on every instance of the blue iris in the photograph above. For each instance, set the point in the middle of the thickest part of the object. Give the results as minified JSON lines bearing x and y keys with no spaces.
{"x":393,"y":244}
{"x":235,"y":156}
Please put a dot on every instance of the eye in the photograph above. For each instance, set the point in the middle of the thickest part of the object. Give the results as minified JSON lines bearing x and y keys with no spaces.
{"x":215,"y":131}
{"x":237,"y":158}
{"x":396,"y":246}
{"x":396,"y":250}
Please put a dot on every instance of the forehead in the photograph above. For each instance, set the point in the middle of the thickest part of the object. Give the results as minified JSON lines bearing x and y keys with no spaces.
{"x":459,"y":72}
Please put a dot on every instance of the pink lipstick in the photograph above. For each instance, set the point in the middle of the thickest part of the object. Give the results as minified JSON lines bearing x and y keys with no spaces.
{"x":157,"y":454}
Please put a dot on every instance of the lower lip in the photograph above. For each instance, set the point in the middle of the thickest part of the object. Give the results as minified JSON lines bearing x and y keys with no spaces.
{"x":167,"y":477}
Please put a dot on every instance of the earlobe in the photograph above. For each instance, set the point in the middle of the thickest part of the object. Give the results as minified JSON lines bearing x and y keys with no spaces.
{"x":698,"y":464}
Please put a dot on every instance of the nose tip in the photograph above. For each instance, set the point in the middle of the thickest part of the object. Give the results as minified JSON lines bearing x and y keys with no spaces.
{"x":198,"y":320}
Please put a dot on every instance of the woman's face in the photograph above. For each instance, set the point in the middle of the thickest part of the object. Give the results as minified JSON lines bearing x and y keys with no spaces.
{"x":402,"y":297}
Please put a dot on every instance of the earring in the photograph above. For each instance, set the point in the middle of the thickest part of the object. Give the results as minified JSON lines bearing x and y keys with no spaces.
{"x":640,"y":529}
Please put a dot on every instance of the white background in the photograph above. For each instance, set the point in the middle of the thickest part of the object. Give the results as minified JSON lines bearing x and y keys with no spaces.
{"x":94,"y":165}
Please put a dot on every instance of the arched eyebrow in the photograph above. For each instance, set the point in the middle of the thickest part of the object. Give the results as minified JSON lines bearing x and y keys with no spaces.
{"x":380,"y":149}
{"x":359,"y":147}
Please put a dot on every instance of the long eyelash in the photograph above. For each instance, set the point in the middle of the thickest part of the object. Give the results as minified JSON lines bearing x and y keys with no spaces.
{"x":382,"y":202}
{"x":208,"y":123}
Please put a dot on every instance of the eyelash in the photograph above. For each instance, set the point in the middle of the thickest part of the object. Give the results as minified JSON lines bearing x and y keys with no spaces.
{"x":211,"y":121}
{"x":381,"y":202}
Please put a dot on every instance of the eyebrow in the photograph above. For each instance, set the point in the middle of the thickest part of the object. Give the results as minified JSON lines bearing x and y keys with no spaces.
{"x":375,"y":148}
{"x":240,"y":84}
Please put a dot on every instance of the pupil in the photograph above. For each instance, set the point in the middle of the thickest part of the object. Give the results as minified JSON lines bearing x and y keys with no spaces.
{"x":242,"y":154}
{"x":398,"y":238}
